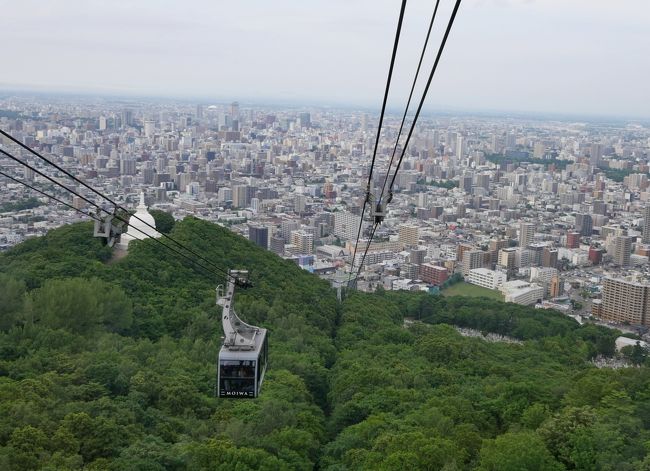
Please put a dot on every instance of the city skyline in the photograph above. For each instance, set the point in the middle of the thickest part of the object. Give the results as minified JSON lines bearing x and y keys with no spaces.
{"x":501,"y":56}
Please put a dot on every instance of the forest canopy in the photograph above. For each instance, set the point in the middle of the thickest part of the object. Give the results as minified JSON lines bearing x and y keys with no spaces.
{"x":110,"y":364}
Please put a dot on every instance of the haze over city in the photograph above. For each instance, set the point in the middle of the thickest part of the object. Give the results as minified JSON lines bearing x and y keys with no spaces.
{"x":575,"y":57}
{"x":222,"y":247}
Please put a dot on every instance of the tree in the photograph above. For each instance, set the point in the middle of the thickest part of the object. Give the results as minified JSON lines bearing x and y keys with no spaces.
{"x":164,"y":220}
{"x":80,"y":306}
{"x":12,"y":294}
{"x":516,"y":452}
{"x":635,"y":353}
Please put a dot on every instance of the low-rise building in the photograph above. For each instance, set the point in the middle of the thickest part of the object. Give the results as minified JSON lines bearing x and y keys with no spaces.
{"x":485,"y":278}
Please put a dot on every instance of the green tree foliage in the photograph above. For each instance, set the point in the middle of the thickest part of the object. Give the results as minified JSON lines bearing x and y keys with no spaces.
{"x":503,"y":160}
{"x":111,"y":366}
{"x":29,"y":203}
{"x":164,"y":220}
{"x":12,"y":293}
{"x":618,"y":175}
{"x":80,"y":305}
{"x":517,"y":451}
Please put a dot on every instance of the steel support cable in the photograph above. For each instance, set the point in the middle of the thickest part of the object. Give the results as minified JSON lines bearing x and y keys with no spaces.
{"x":424,"y":95}
{"x":48,"y":195}
{"x":125,"y":221}
{"x":363,"y":258}
{"x":70,"y":175}
{"x":381,"y":120}
{"x":408,"y":102}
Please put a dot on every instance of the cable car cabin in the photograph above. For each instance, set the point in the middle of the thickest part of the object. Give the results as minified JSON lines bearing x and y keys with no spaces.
{"x":244,"y":355}
{"x":241,"y":373}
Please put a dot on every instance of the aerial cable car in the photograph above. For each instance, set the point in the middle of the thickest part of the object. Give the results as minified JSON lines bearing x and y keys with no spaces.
{"x":377,"y":211}
{"x":244,"y":354}
{"x":108,"y":227}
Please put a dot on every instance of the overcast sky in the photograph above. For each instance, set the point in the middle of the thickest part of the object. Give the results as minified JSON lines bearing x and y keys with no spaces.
{"x":557,"y":56}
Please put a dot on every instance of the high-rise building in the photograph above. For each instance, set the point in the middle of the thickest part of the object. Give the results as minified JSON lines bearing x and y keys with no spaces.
{"x":622,"y":250}
{"x":483,"y":180}
{"x":466,"y":182}
{"x":127,"y":118}
{"x":461,"y":147}
{"x":493,"y":248}
{"x":625,"y":301}
{"x":234,"y":110}
{"x":286,"y":227}
{"x":556,"y":287}
{"x":584,"y":224}
{"x":646,"y":225}
{"x":526,"y":233}
{"x":304,"y":241}
{"x":461,"y":210}
{"x":346,"y":225}
{"x":600,"y":207}
{"x":573,"y":240}
{"x":304,"y":120}
{"x":240,"y":196}
{"x":595,"y":255}
{"x":507,"y":261}
{"x":259,"y":235}
{"x":300,"y":204}
{"x":416,"y":255}
{"x":549,"y":257}
{"x":596,"y":154}
{"x":433,"y":274}
{"x":277,"y":244}
{"x":127,"y":166}
{"x":149,"y":128}
{"x":473,"y":259}
{"x":409,"y":235}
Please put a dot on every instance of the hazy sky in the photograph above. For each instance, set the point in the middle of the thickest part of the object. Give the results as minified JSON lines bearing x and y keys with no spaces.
{"x":559,"y":56}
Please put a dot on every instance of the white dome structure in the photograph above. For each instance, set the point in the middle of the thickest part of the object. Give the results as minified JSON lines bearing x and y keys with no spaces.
{"x":138,"y":230}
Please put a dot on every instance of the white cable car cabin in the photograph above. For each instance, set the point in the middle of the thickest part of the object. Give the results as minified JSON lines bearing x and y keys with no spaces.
{"x":244,"y":354}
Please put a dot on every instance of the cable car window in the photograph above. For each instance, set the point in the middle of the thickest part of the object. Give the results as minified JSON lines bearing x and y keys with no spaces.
{"x":237,"y":378}
{"x":237,"y":369}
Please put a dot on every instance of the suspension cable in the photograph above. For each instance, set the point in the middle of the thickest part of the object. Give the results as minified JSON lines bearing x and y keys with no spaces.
{"x":408,"y":102}
{"x":115,"y":204}
{"x":424,"y":95}
{"x":381,"y":120}
{"x":125,"y":221}
{"x":365,"y":252}
{"x":49,"y":196}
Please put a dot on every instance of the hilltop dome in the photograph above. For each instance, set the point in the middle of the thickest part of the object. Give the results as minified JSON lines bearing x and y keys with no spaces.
{"x":138,"y":230}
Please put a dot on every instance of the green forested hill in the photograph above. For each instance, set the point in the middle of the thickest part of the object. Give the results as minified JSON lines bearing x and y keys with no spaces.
{"x":112,"y":366}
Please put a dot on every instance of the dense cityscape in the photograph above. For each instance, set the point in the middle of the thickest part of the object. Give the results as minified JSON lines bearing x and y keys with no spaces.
{"x":532,"y":211}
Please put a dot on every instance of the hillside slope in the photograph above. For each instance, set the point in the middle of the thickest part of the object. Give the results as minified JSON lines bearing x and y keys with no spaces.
{"x":112,"y":366}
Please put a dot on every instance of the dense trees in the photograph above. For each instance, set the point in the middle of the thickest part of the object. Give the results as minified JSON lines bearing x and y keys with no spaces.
{"x":464,"y":403}
{"x":111,"y":366}
{"x":164,"y":220}
{"x":28,"y":203}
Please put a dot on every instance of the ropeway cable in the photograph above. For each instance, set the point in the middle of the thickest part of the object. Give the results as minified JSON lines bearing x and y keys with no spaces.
{"x":408,"y":102}
{"x":125,"y":221}
{"x":424,"y":95}
{"x":115,"y":204}
{"x":49,"y":196}
{"x":381,"y":120}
